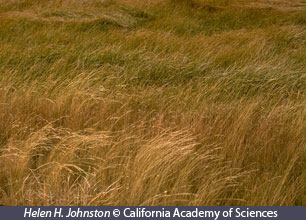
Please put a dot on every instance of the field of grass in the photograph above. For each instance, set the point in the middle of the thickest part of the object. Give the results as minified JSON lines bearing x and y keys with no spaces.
{"x":156,"y":102}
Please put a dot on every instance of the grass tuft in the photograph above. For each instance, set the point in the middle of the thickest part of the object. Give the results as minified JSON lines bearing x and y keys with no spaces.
{"x":121,"y":102}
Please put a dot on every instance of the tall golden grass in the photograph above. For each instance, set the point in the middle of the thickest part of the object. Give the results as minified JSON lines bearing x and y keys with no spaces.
{"x":117,"y":102}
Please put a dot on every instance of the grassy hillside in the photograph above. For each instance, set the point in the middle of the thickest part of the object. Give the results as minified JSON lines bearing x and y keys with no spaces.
{"x":158,"y":102}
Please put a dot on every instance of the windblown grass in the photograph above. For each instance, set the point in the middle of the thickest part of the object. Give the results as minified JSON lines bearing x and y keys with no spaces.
{"x":121,"y":102}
